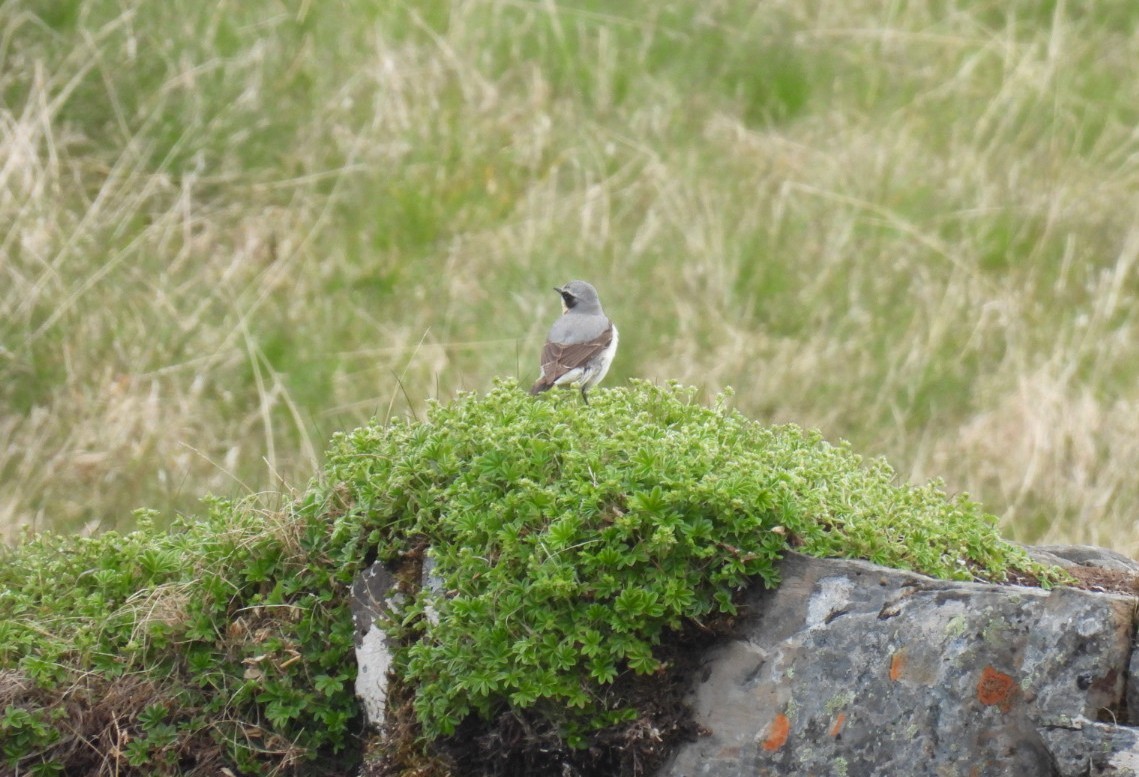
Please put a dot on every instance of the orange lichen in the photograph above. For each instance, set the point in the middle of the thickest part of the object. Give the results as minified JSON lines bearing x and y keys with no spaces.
{"x":836,"y":729}
{"x":777,"y":733}
{"x":996,"y":688}
{"x":897,"y":665}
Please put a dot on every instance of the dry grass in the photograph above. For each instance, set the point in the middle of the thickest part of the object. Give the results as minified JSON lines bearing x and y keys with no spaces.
{"x":238,"y":228}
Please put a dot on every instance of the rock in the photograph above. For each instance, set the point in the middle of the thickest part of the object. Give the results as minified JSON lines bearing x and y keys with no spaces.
{"x":848,"y":668}
{"x":372,"y":598}
{"x":852,"y":669}
{"x":1084,"y":556}
{"x":1100,"y":569}
{"x":1105,"y":748}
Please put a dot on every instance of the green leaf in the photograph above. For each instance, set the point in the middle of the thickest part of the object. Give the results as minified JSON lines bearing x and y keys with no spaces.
{"x":602,"y":671}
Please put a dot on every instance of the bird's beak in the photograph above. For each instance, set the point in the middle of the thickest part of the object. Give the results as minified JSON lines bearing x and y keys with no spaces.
{"x":559,"y":290}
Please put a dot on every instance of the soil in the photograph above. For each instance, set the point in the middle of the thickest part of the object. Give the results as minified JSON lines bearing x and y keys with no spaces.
{"x":1098,"y":579}
{"x":1110,"y":581}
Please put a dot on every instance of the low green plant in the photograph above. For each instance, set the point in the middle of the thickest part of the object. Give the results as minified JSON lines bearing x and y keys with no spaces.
{"x":223,"y":641}
{"x":568,"y":542}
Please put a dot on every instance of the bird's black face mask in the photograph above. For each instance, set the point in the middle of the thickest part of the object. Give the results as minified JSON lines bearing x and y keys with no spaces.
{"x":568,"y":300}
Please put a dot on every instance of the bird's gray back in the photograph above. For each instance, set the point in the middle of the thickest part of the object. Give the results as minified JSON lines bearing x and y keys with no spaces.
{"x":576,"y":327}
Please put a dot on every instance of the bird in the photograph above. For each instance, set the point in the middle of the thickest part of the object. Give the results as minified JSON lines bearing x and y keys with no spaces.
{"x":581,"y":343}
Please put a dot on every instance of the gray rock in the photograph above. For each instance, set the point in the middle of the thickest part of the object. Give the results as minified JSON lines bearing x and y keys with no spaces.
{"x":1096,"y":748}
{"x":1131,"y":695}
{"x":1084,"y":556}
{"x":852,"y":669}
{"x":374,"y":598}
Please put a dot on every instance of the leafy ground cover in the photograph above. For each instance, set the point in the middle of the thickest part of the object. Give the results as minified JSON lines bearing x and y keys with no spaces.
{"x":577,"y":548}
{"x":217,"y":643}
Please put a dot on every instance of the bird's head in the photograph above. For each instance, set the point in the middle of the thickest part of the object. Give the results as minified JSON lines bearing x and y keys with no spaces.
{"x":579,"y":293}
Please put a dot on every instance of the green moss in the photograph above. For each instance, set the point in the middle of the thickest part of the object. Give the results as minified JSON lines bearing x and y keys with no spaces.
{"x":573,"y":542}
{"x":222,"y":642}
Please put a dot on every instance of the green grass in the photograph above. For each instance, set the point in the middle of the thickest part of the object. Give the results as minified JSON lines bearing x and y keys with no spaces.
{"x":235,"y":228}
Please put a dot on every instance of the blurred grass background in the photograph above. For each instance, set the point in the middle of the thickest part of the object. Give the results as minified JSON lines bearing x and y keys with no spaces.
{"x":228,"y":229}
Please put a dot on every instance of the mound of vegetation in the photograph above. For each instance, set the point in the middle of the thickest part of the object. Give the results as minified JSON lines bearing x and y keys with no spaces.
{"x":223,"y":642}
{"x":577,"y":548}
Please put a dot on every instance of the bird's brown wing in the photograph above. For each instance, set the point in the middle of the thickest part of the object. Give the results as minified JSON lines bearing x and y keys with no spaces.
{"x":560,"y":358}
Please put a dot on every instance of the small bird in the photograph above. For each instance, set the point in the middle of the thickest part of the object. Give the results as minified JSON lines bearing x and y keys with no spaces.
{"x":581,"y":343}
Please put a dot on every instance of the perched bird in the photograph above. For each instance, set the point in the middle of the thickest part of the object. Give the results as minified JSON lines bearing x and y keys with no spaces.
{"x":581,"y":344}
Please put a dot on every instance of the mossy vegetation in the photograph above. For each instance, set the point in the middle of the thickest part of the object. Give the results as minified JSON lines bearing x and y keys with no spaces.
{"x":574,"y":545}
{"x":222,"y":641}
{"x":569,"y":542}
